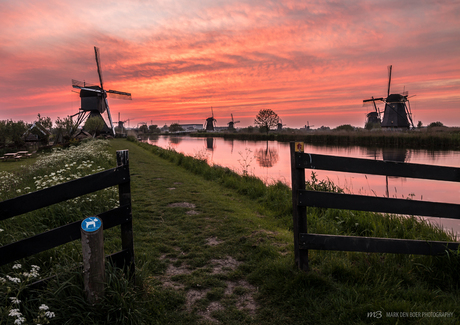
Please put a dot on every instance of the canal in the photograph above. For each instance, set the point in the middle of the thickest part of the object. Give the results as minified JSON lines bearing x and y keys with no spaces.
{"x":269,"y":161}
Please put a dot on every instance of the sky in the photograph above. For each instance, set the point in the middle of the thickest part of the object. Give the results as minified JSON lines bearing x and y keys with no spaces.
{"x":309,"y":61}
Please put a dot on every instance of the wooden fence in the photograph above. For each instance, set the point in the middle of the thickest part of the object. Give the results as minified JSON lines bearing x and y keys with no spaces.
{"x":70,"y":232}
{"x":301,"y":198}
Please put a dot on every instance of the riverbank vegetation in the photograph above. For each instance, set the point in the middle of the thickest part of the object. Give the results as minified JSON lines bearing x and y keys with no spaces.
{"x":431,"y":138}
{"x":212,"y":246}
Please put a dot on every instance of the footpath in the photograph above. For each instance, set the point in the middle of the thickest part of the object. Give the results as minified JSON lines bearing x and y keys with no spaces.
{"x":200,"y":241}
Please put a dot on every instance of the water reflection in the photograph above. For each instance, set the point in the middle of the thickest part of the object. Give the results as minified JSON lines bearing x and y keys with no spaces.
{"x":271,"y":163}
{"x":210,"y":144}
{"x":175,"y":140}
{"x":394,"y":154}
{"x":154,"y":138}
{"x":266,"y":157}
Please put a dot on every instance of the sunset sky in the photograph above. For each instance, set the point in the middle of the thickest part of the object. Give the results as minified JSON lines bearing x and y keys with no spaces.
{"x":309,"y":61}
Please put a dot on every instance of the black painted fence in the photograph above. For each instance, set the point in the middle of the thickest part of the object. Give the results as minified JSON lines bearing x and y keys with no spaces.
{"x":70,"y":232}
{"x":301,"y":198}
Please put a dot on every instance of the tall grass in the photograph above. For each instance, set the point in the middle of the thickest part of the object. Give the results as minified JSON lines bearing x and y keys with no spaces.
{"x":426,"y":139}
{"x":64,"y":296}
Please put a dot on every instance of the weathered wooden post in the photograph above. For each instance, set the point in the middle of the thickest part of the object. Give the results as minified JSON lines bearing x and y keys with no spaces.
{"x":92,"y":241}
{"x":124,"y":193}
{"x":299,"y":213}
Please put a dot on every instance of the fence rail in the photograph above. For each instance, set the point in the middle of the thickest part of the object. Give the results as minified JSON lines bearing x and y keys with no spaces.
{"x":301,"y":198}
{"x":70,"y":232}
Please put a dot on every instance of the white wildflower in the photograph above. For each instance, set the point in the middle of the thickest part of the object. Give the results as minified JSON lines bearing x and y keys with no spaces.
{"x":43,"y":307}
{"x":15,"y":313}
{"x":17,"y":266}
{"x":15,"y":300}
{"x":49,"y":314}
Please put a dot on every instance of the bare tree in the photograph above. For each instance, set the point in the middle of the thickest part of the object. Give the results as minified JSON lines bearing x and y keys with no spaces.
{"x":267,"y":119}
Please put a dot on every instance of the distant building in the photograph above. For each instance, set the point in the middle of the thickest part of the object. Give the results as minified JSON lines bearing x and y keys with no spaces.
{"x":191,"y":127}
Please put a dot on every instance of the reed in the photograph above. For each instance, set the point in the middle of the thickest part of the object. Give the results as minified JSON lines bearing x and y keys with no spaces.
{"x":426,"y":138}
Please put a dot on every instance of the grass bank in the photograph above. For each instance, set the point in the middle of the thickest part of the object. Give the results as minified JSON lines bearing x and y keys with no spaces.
{"x":212,"y":246}
{"x":252,"y":223}
{"x":431,"y":139}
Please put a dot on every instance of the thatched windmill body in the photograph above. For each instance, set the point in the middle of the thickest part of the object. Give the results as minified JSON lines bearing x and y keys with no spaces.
{"x":397,"y":113}
{"x":210,"y":122}
{"x":94,"y":99}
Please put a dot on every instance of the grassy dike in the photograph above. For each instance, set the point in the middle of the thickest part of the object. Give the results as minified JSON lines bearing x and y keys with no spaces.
{"x":216,"y":247}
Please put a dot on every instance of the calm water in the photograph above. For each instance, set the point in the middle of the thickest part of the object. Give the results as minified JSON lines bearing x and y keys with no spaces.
{"x":269,"y":160}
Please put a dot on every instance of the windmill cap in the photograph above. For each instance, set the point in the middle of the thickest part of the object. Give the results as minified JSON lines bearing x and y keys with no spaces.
{"x":396,"y":98}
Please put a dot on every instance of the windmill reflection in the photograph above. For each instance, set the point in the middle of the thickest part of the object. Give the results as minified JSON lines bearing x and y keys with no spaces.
{"x":394,"y":155}
{"x":210,"y":144}
{"x":267,"y":157}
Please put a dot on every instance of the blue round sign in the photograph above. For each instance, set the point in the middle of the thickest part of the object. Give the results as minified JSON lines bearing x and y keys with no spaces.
{"x":91,"y":224}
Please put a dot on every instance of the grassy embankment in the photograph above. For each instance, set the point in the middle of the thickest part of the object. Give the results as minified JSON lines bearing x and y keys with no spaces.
{"x":211,"y":245}
{"x":428,"y":138}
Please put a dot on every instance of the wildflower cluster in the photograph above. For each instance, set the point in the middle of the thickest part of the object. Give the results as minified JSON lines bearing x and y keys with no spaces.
{"x":8,"y":181}
{"x":87,"y":151}
{"x":16,"y":283}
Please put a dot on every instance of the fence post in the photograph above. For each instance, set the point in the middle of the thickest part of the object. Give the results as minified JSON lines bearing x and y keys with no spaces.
{"x":124,"y":194}
{"x":92,"y":241}
{"x":299,"y":214}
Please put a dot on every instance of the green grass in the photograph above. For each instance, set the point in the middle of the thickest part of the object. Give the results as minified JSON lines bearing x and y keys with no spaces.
{"x":212,"y":245}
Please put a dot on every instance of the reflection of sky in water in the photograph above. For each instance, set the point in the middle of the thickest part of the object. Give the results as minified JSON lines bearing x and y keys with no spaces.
{"x":269,"y":160}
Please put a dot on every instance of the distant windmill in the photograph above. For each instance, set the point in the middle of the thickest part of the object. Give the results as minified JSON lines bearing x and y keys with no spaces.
{"x":94,"y":99}
{"x":231,"y":124}
{"x":373,"y":117}
{"x":210,"y":122}
{"x":308,"y":126}
{"x":280,"y":125}
{"x":397,"y":113}
{"x":121,"y":124}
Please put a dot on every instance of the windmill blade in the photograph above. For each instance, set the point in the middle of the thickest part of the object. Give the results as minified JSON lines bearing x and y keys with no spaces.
{"x":89,"y":89}
{"x":110,"y":117}
{"x":98,"y":63}
{"x":78,"y":83}
{"x":372,"y":99}
{"x":231,"y":116}
{"x":119,"y":94}
{"x":390,"y":67}
{"x":409,"y":113}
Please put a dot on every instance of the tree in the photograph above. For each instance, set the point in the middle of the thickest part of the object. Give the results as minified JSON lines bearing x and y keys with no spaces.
{"x":94,"y":125}
{"x":175,"y":127}
{"x":143,"y":128}
{"x":267,"y":118}
{"x":45,"y":122}
{"x":345,"y":127}
{"x":3,"y":132}
{"x":154,"y":129}
{"x":435,"y":124}
{"x":16,"y":132}
{"x":64,"y":127}
{"x":419,"y":124}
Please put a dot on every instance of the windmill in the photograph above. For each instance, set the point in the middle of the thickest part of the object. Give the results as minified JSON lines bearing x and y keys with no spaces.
{"x":280,"y":125}
{"x":374,"y":117}
{"x":210,"y":122}
{"x":94,"y":99}
{"x":121,"y":124}
{"x":397,"y":113}
{"x":231,"y":124}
